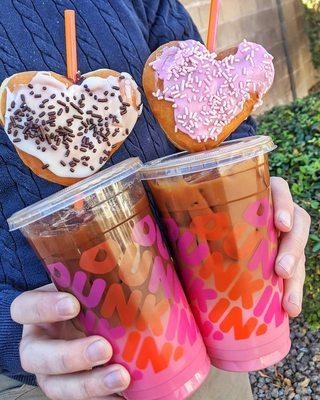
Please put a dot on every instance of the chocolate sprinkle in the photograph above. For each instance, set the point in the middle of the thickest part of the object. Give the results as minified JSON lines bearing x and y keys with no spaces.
{"x":63,"y":163}
{"x":76,"y":108}
{"x":45,"y":166}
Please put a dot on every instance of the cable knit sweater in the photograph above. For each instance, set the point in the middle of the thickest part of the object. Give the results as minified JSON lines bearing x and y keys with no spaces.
{"x":116,"y":34}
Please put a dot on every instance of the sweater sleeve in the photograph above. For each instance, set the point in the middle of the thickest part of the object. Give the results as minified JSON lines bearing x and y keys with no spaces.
{"x":10,"y":332}
{"x":168,"y":20}
{"x":10,"y":336}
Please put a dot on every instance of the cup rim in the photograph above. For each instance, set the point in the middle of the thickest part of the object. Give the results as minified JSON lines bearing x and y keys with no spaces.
{"x":230,"y":152}
{"x":74,"y":193}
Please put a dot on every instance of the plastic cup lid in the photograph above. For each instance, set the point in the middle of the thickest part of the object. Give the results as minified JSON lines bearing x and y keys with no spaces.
{"x":74,"y":193}
{"x":227,"y":153}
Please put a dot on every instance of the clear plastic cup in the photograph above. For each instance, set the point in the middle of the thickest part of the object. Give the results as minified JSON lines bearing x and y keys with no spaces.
{"x":99,"y":241}
{"x":216,"y":207}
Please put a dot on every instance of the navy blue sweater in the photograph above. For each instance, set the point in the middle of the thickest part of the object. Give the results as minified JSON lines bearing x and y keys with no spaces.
{"x":116,"y":34}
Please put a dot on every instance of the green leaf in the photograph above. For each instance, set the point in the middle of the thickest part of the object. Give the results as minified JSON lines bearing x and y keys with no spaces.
{"x":316,"y":247}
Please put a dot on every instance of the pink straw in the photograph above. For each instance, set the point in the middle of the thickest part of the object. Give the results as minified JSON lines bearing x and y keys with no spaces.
{"x":213,"y":25}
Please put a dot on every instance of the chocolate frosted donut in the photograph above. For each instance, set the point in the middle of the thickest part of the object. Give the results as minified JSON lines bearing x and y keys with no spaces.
{"x":200,"y":98}
{"x":63,"y":131}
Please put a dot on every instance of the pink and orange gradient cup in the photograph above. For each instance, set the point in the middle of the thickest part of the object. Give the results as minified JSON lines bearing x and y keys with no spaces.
{"x":99,"y":241}
{"x":217,"y":210}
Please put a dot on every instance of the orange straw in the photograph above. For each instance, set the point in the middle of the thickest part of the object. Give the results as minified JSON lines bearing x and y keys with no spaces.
{"x":213,"y":25}
{"x":71,"y":45}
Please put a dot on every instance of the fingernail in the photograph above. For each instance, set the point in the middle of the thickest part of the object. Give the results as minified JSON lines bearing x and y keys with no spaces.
{"x":98,"y":352}
{"x":287,"y":263}
{"x":295,"y":299}
{"x":115,"y":380}
{"x":285,"y":218}
{"x":66,"y":307}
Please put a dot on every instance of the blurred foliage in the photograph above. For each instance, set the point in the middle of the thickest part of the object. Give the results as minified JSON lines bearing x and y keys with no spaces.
{"x":295,"y":128}
{"x":312,"y":19}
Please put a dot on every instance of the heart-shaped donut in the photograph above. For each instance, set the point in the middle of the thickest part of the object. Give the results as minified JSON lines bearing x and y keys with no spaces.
{"x":200,"y":98}
{"x":63,"y":131}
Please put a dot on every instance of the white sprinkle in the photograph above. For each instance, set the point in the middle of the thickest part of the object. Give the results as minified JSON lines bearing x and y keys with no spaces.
{"x":157,"y":93}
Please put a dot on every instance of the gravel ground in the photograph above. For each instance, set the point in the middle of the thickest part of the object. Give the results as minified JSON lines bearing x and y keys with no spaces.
{"x":298,"y":376}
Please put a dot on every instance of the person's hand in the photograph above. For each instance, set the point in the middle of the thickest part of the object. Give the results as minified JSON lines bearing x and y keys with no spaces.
{"x":294,"y":223}
{"x":60,"y":356}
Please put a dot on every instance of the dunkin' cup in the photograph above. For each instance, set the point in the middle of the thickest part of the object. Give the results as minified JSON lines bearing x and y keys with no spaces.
{"x":99,"y":241}
{"x":217,"y":211}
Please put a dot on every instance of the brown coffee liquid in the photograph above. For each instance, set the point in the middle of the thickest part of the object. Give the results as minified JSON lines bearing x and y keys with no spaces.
{"x":65,"y":236}
{"x":228,"y":190}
